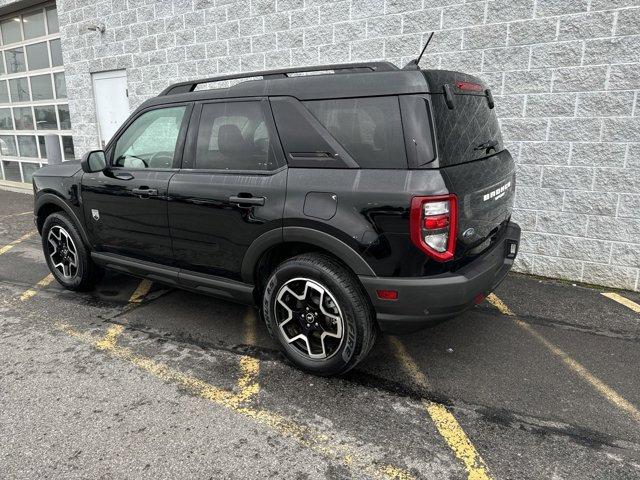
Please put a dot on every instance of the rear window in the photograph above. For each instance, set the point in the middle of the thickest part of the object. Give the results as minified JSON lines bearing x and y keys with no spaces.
{"x":369,"y":129}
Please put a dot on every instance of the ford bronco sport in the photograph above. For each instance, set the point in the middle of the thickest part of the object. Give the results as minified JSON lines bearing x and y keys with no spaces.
{"x":359,"y":199}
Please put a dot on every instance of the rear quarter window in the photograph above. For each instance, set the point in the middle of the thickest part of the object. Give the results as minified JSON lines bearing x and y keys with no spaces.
{"x":369,"y":129}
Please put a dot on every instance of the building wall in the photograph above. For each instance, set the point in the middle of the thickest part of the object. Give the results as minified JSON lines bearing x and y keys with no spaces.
{"x":566,"y":75}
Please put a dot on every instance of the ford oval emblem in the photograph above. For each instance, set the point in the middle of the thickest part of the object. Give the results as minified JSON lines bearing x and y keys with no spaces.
{"x":469,"y":232}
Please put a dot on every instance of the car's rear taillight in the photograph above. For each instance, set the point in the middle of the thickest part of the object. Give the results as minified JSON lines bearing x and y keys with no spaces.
{"x":433,"y":225}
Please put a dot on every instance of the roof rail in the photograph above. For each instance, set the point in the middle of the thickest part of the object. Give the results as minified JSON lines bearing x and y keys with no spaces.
{"x":190,"y":86}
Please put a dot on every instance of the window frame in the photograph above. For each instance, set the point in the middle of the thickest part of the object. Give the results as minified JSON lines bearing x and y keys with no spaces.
{"x":180,"y":142}
{"x":191,"y":147}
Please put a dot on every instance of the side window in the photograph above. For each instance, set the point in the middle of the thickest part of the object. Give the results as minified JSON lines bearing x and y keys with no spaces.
{"x":234,"y":136}
{"x":370,"y":129}
{"x":150,"y":141}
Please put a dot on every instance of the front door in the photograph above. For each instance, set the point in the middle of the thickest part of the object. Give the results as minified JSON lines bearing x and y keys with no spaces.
{"x":231,"y":188}
{"x":125,"y":206}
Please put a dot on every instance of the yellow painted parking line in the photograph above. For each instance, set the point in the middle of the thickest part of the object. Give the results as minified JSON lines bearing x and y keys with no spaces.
{"x":445,"y":422}
{"x":327,"y":443}
{"x":33,"y":291}
{"x":622,"y":300}
{"x":576,"y":367}
{"x":9,"y":246}
{"x":108,"y":342}
{"x":143,"y":289}
{"x":248,"y":385}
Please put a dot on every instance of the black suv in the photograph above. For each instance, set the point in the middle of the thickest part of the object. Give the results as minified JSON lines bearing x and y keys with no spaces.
{"x":343,"y":199}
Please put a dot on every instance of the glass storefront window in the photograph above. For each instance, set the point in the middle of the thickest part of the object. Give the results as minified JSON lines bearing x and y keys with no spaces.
{"x":38,"y":56}
{"x":61,"y":85}
{"x":31,"y":58}
{"x":41,"y":88}
{"x":56,"y":53}
{"x":52,"y":20}
{"x":67,"y":148}
{"x":27,"y":146}
{"x":4,"y":93}
{"x":11,"y":30}
{"x":11,"y":171}
{"x":43,"y":146}
{"x":6,"y":122}
{"x":33,"y":24}
{"x":19,"y":88}
{"x":8,"y":145}
{"x":15,"y":60}
{"x":65,"y":119}
{"x":24,"y":118}
{"x":45,"y":117}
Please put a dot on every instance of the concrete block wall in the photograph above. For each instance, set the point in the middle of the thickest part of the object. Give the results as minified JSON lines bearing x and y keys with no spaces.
{"x":565,"y":73}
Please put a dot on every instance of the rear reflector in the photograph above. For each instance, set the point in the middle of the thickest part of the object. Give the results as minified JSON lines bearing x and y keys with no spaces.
{"x":470,"y":87}
{"x":387,"y":294}
{"x":433,"y":225}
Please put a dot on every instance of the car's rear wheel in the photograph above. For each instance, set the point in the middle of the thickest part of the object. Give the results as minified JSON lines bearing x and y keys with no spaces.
{"x":319,"y":314}
{"x":67,"y":258}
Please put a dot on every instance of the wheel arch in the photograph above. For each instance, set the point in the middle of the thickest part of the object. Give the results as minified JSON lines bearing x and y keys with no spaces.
{"x":48,"y":203}
{"x":291,"y":241}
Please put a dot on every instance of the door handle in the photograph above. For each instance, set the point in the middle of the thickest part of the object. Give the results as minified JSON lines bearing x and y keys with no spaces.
{"x":240,"y":201}
{"x":145,"y":192}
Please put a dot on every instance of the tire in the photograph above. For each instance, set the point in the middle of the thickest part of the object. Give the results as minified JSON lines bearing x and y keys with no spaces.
{"x":343,"y":302}
{"x":85,"y":274}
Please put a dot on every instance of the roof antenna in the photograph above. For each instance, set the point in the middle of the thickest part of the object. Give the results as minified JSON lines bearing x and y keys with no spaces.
{"x":413,"y":64}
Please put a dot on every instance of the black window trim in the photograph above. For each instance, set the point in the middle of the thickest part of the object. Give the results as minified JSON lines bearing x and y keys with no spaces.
{"x":191,"y":145}
{"x":408,"y":125}
{"x":180,"y":142}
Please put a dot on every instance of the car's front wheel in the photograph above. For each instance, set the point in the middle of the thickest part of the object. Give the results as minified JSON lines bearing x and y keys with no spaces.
{"x":68,"y":259}
{"x":319,"y":314}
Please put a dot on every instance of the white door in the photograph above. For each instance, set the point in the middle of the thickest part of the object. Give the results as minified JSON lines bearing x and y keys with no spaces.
{"x":112,"y":102}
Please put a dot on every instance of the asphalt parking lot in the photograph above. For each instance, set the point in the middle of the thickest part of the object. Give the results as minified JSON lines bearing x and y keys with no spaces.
{"x":135,"y":380}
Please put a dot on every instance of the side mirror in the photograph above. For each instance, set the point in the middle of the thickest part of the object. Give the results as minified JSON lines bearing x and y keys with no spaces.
{"x":93,"y":161}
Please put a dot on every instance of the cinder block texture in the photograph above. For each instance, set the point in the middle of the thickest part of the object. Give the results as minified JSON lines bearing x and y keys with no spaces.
{"x":566,"y":75}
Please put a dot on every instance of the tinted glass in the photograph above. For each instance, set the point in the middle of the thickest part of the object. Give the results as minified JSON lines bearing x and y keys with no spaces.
{"x":11,"y":30}
{"x":65,"y":119}
{"x":27,"y":146}
{"x":234,"y":136}
{"x":56,"y":53}
{"x":11,"y":171}
{"x":6,"y":123}
{"x":15,"y":60}
{"x":33,"y":24}
{"x":46,"y":117}
{"x":19,"y":88}
{"x":370,"y":129}
{"x":150,"y":141}
{"x":38,"y":56}
{"x":52,"y":20}
{"x":67,"y":148}
{"x":41,"y":88}
{"x":2,"y":63}
{"x":4,"y":93}
{"x":28,"y":169}
{"x":24,"y":118}
{"x":8,"y":145}
{"x":61,"y":85}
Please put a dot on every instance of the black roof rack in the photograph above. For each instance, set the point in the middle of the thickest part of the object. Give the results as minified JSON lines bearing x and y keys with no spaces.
{"x":190,"y":86}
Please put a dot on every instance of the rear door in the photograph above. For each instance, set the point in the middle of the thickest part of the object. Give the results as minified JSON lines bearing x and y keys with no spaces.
{"x":472,"y":158}
{"x":231,"y":188}
{"x":125,"y":206}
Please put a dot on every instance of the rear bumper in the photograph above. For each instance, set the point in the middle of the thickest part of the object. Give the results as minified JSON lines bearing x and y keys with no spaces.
{"x":427,"y":300}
